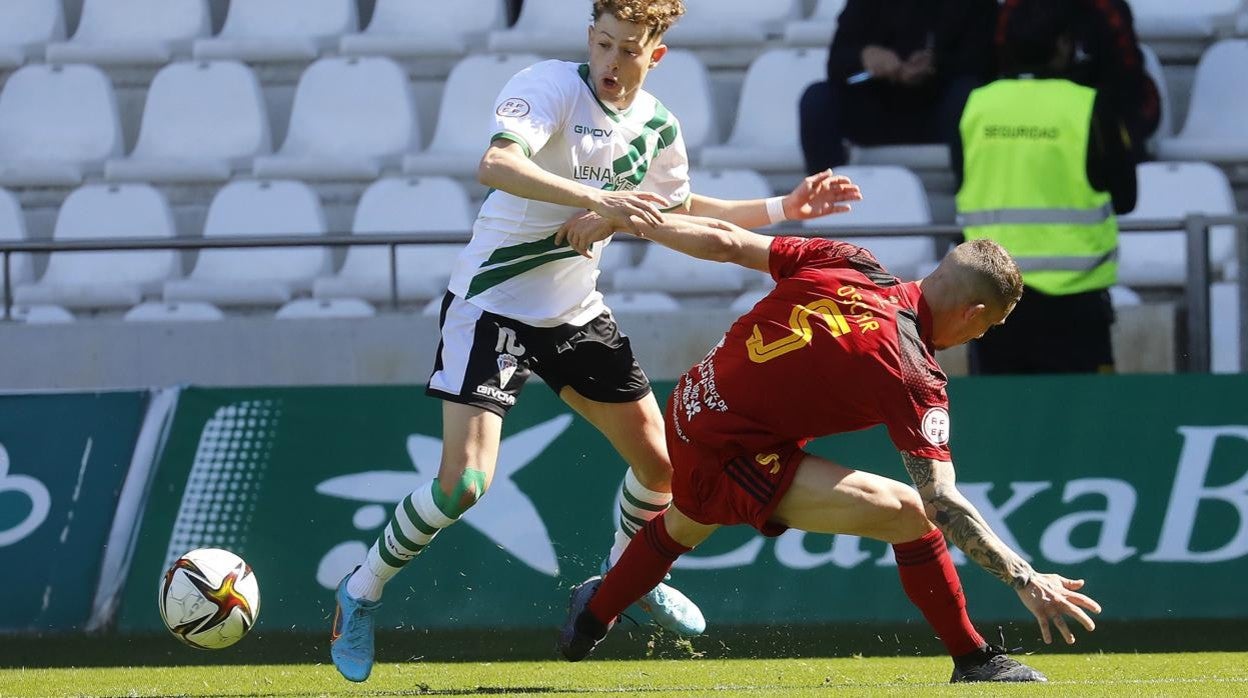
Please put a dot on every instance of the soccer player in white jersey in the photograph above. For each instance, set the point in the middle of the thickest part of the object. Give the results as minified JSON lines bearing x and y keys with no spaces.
{"x":571,"y":143}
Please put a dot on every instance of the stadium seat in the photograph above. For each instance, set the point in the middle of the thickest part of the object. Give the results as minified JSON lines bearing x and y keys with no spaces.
{"x":1187,"y":20}
{"x":133,"y":32}
{"x":156,"y":311}
{"x":411,"y":205}
{"x":816,"y":31}
{"x":891,"y":196}
{"x":1152,"y":65}
{"x":204,"y":120}
{"x":26,"y":26}
{"x":720,"y":23}
{"x":1124,"y":297}
{"x":280,"y":30}
{"x":666,"y":270}
{"x":57,"y":123}
{"x":546,"y":27}
{"x":406,"y":28}
{"x":41,"y":314}
{"x":12,"y":229}
{"x":351,"y":117}
{"x":682,"y":84}
{"x":765,"y":134}
{"x":106,"y":279}
{"x":1173,"y":190}
{"x":1224,"y":327}
{"x":325,"y":309}
{"x":729,"y":184}
{"x":466,"y":115}
{"x":272,"y":276}
{"x":641,"y":302}
{"x":1214,"y":129}
{"x":748,"y":299}
{"x":917,"y":156}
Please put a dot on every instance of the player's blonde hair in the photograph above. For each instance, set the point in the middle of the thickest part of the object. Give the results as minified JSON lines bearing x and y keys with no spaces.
{"x":656,"y":15}
{"x":982,"y":272}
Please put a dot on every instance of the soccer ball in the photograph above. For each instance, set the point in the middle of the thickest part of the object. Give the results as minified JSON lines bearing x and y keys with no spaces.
{"x":209,"y":598}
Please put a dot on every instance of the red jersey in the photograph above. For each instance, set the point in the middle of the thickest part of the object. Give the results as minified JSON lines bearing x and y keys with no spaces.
{"x":839,"y":345}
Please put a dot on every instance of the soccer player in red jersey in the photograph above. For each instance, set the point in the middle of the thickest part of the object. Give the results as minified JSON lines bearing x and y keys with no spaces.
{"x":839,"y":345}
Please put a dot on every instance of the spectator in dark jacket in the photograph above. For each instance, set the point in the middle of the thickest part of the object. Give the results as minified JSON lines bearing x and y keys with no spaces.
{"x":1107,"y":57}
{"x":899,"y":71}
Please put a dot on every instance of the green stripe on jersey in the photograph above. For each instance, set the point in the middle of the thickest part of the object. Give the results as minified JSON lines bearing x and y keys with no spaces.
{"x":525,"y":249}
{"x":486,"y":280}
{"x":509,"y":136}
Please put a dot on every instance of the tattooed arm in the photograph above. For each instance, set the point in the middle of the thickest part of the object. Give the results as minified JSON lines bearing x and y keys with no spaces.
{"x":1049,"y":597}
{"x":961,"y":521}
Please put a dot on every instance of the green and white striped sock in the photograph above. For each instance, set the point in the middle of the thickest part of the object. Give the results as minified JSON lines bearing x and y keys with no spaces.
{"x":417,"y":519}
{"x":638,"y":505}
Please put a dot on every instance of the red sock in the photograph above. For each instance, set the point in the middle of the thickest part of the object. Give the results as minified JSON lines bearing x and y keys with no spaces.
{"x":931,"y":582}
{"x":642,"y":566}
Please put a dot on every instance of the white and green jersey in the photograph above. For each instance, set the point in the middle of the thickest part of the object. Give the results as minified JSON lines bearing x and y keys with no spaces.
{"x":511,"y":266}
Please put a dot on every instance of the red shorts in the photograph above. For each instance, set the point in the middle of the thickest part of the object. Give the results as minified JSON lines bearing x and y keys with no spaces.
{"x":731,"y":486}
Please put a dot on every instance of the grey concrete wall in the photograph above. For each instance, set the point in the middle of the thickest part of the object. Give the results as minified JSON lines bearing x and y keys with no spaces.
{"x":390,"y":348}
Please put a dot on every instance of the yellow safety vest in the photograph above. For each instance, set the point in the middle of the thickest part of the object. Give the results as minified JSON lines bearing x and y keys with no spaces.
{"x":1025,"y":184}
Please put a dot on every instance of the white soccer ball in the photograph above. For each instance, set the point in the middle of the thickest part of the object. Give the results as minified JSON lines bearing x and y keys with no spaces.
{"x":209,"y":598}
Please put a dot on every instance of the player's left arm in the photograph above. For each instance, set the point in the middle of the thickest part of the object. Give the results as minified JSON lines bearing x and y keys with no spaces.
{"x":820,"y":194}
{"x":1049,"y":597}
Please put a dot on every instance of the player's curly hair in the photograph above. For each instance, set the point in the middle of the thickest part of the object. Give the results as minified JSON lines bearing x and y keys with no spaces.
{"x":657,"y":15}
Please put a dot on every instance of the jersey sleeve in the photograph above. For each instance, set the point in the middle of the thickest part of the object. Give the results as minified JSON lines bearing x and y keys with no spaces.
{"x":532,"y":106}
{"x":668,"y":175}
{"x":916,"y":413}
{"x":789,"y":254}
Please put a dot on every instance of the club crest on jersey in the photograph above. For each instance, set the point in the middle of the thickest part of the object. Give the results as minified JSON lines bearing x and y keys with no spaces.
{"x":512,"y":107}
{"x":936,"y":426}
{"x":507,"y":365}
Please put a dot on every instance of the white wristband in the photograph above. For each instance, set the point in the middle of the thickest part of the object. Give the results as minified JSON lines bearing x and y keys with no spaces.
{"x":775,"y":209}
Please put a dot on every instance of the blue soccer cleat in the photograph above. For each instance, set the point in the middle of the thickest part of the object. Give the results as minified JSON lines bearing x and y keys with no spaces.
{"x":670,"y":609}
{"x":351,"y":645}
{"x":581,"y":631}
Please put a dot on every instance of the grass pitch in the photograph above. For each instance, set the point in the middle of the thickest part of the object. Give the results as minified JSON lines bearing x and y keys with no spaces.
{"x":1206,"y":674}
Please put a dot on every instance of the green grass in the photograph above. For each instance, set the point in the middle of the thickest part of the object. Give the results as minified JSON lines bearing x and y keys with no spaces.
{"x":1207,"y":674}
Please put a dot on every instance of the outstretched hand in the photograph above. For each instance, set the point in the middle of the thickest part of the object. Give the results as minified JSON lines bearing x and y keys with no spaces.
{"x":821,"y":194}
{"x":1051,"y":597}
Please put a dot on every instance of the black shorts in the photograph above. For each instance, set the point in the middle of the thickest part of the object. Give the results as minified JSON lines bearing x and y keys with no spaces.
{"x":484,"y":359}
{"x":1050,"y":334}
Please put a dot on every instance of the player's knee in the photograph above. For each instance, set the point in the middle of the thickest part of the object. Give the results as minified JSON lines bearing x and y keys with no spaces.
{"x":458,"y":495}
{"x":911,"y":518}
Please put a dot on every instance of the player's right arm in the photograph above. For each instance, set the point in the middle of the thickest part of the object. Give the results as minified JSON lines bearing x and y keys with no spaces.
{"x":1049,"y":597}
{"x":710,"y":238}
{"x":505,"y":167}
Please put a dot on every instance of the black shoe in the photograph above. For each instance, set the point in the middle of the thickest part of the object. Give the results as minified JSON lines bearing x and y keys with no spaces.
{"x":992,"y":664}
{"x":581,"y":632}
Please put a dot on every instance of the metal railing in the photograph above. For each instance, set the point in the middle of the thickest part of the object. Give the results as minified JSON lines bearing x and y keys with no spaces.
{"x":1196,"y":292}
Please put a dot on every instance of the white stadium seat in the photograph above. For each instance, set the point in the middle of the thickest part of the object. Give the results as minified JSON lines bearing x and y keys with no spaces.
{"x":641,"y":302}
{"x":204,"y":120}
{"x":280,"y":30}
{"x":134,"y":31}
{"x":466,"y":117}
{"x":719,"y":23}
{"x":1224,"y":317}
{"x":325,"y":309}
{"x":1214,"y":129}
{"x":1152,"y":66}
{"x":269,"y":276}
{"x":765,"y":134}
{"x":682,"y":84}
{"x":12,"y":229}
{"x":547,"y":27}
{"x":41,"y":314}
{"x":57,"y":123}
{"x":747,"y":300}
{"x":1173,"y":190}
{"x":729,"y":184}
{"x":26,"y":26}
{"x":106,"y":279}
{"x":406,"y":28}
{"x":816,"y":31}
{"x":156,"y":311}
{"x":891,"y":196}
{"x":1189,"y":19}
{"x":410,"y":205}
{"x":351,"y":117}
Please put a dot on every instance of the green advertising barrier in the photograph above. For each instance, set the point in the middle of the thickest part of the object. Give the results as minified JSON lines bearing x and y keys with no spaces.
{"x":1138,"y":484}
{"x":63,"y":460}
